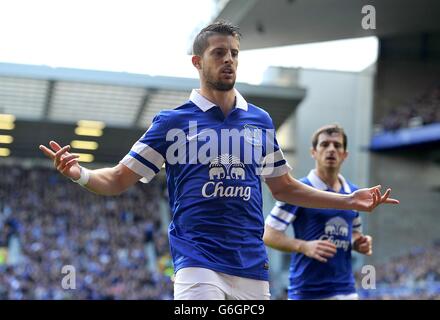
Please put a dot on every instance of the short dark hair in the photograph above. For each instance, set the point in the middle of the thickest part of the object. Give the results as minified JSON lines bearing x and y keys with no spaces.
{"x":329,"y":129}
{"x":219,"y":27}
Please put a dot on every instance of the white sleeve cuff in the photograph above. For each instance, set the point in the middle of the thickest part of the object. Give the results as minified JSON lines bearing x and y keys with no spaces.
{"x":137,"y":167}
{"x":274,"y":223}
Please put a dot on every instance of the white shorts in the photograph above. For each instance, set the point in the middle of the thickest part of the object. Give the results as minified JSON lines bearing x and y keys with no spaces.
{"x":351,"y":296}
{"x":204,"y":284}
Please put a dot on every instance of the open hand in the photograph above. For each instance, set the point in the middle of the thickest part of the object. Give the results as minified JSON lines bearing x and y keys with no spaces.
{"x":63,"y":161}
{"x":320,"y":250}
{"x":369,"y":198}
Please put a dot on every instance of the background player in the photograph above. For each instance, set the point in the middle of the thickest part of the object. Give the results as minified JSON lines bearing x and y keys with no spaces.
{"x":321,"y":250}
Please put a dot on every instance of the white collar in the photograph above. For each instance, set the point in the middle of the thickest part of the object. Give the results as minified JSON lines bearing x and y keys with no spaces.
{"x":204,"y":104}
{"x":317,"y":183}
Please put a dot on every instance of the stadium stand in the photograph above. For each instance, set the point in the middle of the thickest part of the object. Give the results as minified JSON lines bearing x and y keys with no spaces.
{"x":115,"y":243}
{"x":415,"y":275}
{"x":420,"y":111}
{"x":413,"y":123}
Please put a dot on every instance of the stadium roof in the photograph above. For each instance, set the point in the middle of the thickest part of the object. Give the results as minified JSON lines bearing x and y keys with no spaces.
{"x":48,"y":102}
{"x":285,"y":22}
{"x":119,"y":99}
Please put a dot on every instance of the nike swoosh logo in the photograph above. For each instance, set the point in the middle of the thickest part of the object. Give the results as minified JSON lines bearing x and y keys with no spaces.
{"x":189,"y":138}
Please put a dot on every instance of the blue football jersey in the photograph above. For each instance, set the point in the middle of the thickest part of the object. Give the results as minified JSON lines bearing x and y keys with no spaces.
{"x":214,"y":182}
{"x":310,"y":278}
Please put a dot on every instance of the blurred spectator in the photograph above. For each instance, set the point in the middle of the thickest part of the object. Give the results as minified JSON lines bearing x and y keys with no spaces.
{"x":57,"y":223}
{"x":412,"y":276}
{"x":420,"y":111}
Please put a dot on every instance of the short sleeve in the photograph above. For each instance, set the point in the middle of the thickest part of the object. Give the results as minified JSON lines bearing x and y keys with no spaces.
{"x":281,"y":216}
{"x":147,"y":155}
{"x":273,"y":163}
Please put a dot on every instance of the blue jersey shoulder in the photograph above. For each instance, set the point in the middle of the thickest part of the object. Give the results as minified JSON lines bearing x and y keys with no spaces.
{"x":353,"y":187}
{"x":262,"y":115}
{"x":172,"y":115}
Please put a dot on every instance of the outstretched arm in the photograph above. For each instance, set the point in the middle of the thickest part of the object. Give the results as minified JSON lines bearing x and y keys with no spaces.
{"x":287,"y":189}
{"x":320,"y":250}
{"x":106,"y":181}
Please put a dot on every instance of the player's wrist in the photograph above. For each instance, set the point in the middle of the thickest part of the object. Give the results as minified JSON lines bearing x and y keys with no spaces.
{"x":302,"y":246}
{"x":83,"y":178}
{"x":351,"y":203}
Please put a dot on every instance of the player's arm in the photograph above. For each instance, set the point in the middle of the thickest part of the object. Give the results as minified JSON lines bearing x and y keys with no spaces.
{"x":106,"y":181}
{"x":362,"y":243}
{"x":317,"y":249}
{"x":287,"y":189}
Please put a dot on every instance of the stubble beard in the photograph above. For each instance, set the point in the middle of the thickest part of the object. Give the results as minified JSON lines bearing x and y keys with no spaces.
{"x":218,"y":85}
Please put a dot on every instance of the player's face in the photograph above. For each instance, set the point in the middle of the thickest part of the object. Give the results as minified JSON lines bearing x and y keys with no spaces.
{"x":330,"y":152}
{"x":219,"y":62}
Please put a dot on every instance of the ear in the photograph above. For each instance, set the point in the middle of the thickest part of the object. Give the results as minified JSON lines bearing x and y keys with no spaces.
{"x":345,"y":155}
{"x":313,"y":153}
{"x":196,"y":62}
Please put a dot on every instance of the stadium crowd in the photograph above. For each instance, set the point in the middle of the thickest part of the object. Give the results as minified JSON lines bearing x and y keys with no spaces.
{"x":47,"y":222}
{"x":415,"y":275}
{"x":422,"y":110}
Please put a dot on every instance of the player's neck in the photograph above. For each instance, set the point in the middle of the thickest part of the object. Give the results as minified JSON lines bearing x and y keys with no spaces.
{"x":330,"y":178}
{"x":224,"y":99}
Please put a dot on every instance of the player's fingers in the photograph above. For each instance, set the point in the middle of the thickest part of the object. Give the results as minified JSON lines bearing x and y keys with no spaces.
{"x":374,"y":203}
{"x":69,"y":165}
{"x":328,"y":244}
{"x":392,"y":201}
{"x":326,"y":254}
{"x":367,"y":250}
{"x":378,"y":187}
{"x":60,"y":166}
{"x":47,"y":152}
{"x":72,"y":162}
{"x":66,"y":159}
{"x":319,"y":258}
{"x":385,"y":196}
{"x":54,"y":145}
{"x":59,"y":155}
{"x":362,"y":240}
{"x":378,"y":195}
{"x":375,"y":194}
{"x":69,"y":157}
{"x":387,"y":199}
{"x":60,"y":152}
{"x":328,"y":249}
